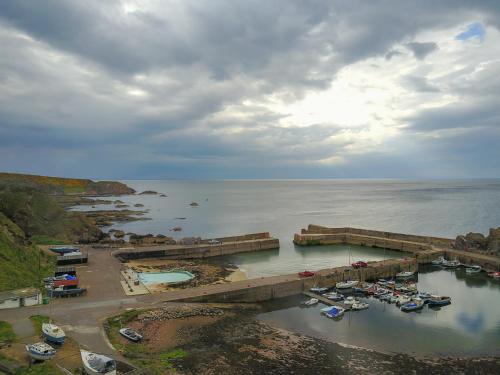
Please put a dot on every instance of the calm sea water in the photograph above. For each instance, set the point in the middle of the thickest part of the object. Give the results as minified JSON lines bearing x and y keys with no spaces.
{"x":470,"y":326}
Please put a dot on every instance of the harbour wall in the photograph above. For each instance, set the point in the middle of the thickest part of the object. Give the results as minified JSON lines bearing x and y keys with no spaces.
{"x":227,"y":246}
{"x":267,"y":288}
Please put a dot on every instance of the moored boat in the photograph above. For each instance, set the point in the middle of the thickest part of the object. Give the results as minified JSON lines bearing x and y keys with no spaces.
{"x":402,"y":299}
{"x":97,"y":363}
{"x":319,"y":290}
{"x":358,"y":305}
{"x":495,"y":275}
{"x":439,"y":301}
{"x":130,"y":334}
{"x":450,"y":263}
{"x":334,"y":296}
{"x":53,"y":333}
{"x":438,"y":261}
{"x":333,"y":311}
{"x":413,"y":305}
{"x":349,"y":301}
{"x":346,"y":284}
{"x":40,"y":351}
{"x":471,"y":270}
{"x":310,"y":302}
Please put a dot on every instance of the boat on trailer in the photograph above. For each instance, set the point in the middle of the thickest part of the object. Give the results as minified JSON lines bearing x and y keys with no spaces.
{"x":97,"y":363}
{"x":40,"y":351}
{"x":53,"y":333}
{"x":130,"y":334}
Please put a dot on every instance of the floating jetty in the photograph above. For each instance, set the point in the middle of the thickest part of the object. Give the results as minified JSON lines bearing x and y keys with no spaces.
{"x":203,"y":249}
{"x":326,"y":301}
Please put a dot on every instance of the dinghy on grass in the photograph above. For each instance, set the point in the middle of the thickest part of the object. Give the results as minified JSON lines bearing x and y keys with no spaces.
{"x":97,"y":363}
{"x":130,"y":334}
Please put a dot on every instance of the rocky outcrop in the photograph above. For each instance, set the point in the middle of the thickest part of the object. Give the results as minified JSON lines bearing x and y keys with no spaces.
{"x":148,"y":192}
{"x":150,"y":239}
{"x":478,"y":242}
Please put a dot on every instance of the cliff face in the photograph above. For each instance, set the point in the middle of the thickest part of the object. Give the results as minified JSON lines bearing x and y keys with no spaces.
{"x":479,"y":242}
{"x":63,"y":186}
{"x":41,"y":219}
{"x":21,"y":264}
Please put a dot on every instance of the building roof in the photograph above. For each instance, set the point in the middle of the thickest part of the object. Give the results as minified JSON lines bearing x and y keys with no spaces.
{"x":18,"y":293}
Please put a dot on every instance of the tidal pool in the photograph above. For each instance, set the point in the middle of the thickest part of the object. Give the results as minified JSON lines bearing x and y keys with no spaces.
{"x":470,"y":326}
{"x":164,"y":277}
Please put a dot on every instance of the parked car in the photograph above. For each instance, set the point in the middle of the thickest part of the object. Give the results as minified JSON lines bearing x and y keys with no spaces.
{"x":214,"y":242}
{"x":359,"y":264}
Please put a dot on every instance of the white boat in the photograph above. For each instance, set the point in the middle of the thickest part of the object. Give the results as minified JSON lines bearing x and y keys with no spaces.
{"x":97,"y":363}
{"x":40,"y":351}
{"x":311,"y":302}
{"x":405,"y":274}
{"x":318,"y":289}
{"x":334,"y":296}
{"x":402,"y":299}
{"x":438,"y":261}
{"x":439,"y":301}
{"x":413,"y":305}
{"x":53,"y":333}
{"x":349,"y":301}
{"x":358,"y":305}
{"x":346,"y":284}
{"x":473,"y":269}
{"x":130,"y":334}
{"x":450,"y":263}
{"x":393,"y":299}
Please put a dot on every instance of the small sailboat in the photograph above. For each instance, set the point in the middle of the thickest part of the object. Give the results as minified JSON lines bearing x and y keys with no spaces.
{"x":439,"y":301}
{"x":405,"y":274}
{"x":358,"y":305}
{"x":471,"y":270}
{"x":130,"y":334}
{"x":97,"y":363}
{"x":319,"y":290}
{"x":40,"y":351}
{"x":311,"y":302}
{"x":333,"y":312}
{"x":414,"y":305}
{"x":346,"y":284}
{"x":53,"y":333}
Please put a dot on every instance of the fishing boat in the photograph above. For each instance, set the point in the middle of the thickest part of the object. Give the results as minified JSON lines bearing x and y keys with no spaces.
{"x":380,"y":292}
{"x":334,"y":296}
{"x":394,"y":298}
{"x":450,"y":263}
{"x":439,"y":301}
{"x":346,"y":284}
{"x":424,"y":296}
{"x":310,"y":302}
{"x":319,"y":290}
{"x":405,"y":274}
{"x":438,"y":261}
{"x":402,"y":299}
{"x":40,"y":351}
{"x":495,"y":275}
{"x":471,"y":270}
{"x":130,"y":334}
{"x":360,"y":306}
{"x":414,"y":305}
{"x":97,"y":363}
{"x":53,"y":333}
{"x":333,"y":312}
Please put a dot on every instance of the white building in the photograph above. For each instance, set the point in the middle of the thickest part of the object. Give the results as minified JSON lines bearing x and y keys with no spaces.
{"x":20,"y":297}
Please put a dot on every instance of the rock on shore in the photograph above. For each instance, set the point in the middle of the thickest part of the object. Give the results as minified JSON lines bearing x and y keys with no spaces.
{"x":478,"y":242}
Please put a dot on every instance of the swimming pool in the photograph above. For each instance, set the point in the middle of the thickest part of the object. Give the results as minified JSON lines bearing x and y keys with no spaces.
{"x":168,"y":277}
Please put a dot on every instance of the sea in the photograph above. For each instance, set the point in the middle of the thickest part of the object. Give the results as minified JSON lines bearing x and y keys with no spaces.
{"x":470,"y":326}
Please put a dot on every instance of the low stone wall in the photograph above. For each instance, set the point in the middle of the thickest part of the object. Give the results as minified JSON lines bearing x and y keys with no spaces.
{"x":268,"y":288}
{"x":199,"y":251}
{"x":488,"y":262}
{"x":244,"y":237}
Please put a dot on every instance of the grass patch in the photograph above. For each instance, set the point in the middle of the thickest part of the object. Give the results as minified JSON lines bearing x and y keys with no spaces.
{"x":7,"y":334}
{"x":39,"y":369}
{"x":46,"y":240}
{"x":37,"y":321}
{"x":158,"y":363}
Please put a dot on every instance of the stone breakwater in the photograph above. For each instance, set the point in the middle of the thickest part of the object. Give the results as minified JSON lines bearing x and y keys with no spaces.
{"x":178,"y":312}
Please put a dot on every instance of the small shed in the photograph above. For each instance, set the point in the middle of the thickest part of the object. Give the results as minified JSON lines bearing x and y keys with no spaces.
{"x":20,"y":297}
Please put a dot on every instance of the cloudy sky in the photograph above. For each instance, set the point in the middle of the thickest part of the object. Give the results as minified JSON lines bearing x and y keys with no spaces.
{"x":250,"y":89}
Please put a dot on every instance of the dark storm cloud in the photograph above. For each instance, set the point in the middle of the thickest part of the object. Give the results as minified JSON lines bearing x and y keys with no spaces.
{"x":421,"y":50}
{"x":185,"y":84}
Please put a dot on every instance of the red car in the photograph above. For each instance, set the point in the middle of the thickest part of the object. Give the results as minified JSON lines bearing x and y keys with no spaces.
{"x":359,"y":264}
{"x":306,"y":274}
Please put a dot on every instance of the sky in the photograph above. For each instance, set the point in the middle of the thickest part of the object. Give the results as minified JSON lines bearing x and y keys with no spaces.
{"x":215,"y":89}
